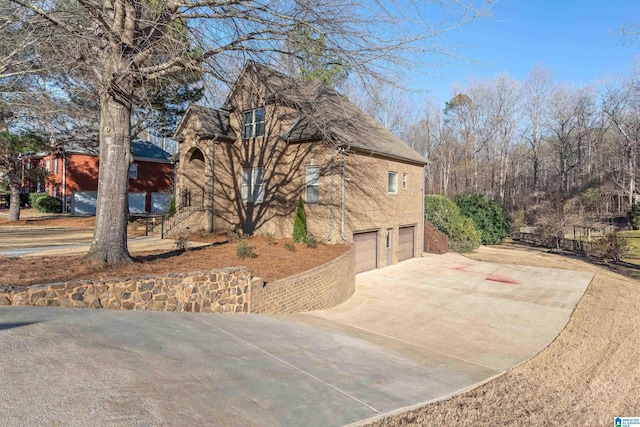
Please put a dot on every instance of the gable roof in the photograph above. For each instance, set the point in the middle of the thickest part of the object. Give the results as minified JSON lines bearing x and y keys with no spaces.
{"x":324,"y":115}
{"x":214,"y":123}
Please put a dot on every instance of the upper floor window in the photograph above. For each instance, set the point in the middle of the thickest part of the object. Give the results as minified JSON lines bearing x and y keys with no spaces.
{"x":253,"y":185}
{"x":253,"y":123}
{"x":312,"y":184}
{"x":55,"y":165}
{"x":47,"y":165}
{"x":404,"y":181}
{"x":133,"y":171}
{"x":392,"y":182}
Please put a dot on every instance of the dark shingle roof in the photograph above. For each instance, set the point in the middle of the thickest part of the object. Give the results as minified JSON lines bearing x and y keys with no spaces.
{"x":214,"y":122}
{"x":324,"y":114}
{"x":328,"y":115}
{"x":149,"y":151}
{"x":140,"y":149}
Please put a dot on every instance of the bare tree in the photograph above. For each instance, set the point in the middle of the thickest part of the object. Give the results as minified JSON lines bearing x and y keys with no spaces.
{"x":118,"y":49}
{"x":536,"y":91}
{"x":621,"y":104}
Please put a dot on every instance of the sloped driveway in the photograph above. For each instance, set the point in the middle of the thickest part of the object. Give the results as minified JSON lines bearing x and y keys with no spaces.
{"x":411,"y":333}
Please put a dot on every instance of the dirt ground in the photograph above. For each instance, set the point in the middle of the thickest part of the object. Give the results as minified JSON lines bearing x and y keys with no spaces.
{"x":587,"y":376}
{"x":273,"y":261}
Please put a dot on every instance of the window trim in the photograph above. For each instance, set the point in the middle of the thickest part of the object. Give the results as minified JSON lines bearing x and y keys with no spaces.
{"x":133,"y":171}
{"x":252,"y":123}
{"x":389,"y":175}
{"x":248,"y":180}
{"x":308,"y":185}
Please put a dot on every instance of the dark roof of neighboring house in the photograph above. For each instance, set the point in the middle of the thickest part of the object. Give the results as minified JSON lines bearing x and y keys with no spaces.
{"x":143,"y":150}
{"x":215,"y":123}
{"x":149,"y":151}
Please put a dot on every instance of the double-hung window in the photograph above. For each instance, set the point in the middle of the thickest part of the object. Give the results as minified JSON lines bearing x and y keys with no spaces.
{"x":253,"y":123}
{"x":312,"y":184}
{"x":253,"y":185}
{"x":392,"y":182}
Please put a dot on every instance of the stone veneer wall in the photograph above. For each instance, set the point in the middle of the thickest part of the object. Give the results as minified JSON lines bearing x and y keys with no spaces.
{"x":322,"y":287}
{"x":215,"y":291}
{"x":228,"y":290}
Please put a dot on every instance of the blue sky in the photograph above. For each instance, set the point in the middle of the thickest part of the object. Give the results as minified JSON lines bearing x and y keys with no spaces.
{"x":575,"y":39}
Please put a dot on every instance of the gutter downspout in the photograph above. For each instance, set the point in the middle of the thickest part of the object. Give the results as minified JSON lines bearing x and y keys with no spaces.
{"x":333,"y":150}
{"x":64,"y":182}
{"x":210,"y":213}
{"x":424,"y":192}
{"x":342,"y":236}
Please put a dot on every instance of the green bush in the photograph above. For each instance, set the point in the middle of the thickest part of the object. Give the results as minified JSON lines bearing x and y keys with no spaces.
{"x":445,"y":215}
{"x":487,"y":215}
{"x":311,"y":242}
{"x":634,"y":216}
{"x":49,"y":204}
{"x":34,"y":199}
{"x":300,"y":223}
{"x":172,"y":207}
{"x":245,"y":251}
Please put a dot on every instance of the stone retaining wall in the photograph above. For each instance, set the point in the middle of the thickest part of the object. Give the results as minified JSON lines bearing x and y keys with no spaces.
{"x":228,"y":290}
{"x":215,"y":291}
{"x":322,"y":287}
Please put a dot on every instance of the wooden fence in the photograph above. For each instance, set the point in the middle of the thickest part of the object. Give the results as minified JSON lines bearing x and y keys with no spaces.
{"x":570,"y":245}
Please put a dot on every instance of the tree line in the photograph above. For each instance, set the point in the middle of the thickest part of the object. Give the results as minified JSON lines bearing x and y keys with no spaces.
{"x":536,"y":145}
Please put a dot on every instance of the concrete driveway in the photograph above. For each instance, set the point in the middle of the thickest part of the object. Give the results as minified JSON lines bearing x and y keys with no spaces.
{"x":411,"y":333}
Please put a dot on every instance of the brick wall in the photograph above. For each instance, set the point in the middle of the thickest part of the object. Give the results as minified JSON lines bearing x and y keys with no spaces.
{"x":322,"y":287}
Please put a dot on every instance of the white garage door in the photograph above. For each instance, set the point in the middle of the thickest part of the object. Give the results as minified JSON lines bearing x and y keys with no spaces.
{"x":160,"y":202}
{"x":84,"y":202}
{"x":366,"y":250}
{"x":137,"y":202}
{"x":406,"y":243}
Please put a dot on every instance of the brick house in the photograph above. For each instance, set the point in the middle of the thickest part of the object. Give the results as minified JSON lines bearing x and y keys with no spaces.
{"x":73,"y":177}
{"x":276,"y":139}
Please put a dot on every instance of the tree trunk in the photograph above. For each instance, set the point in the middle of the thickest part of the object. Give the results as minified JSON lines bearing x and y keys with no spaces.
{"x":14,"y":201}
{"x":109,"y":243}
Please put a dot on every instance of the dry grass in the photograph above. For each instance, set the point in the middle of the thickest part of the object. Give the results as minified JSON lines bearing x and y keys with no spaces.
{"x":587,"y":376}
{"x":56,"y":221}
{"x":273,"y":262}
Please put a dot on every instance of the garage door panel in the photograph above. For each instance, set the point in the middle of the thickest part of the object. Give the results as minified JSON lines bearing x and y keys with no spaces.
{"x":366,"y":250}
{"x":406,"y":243}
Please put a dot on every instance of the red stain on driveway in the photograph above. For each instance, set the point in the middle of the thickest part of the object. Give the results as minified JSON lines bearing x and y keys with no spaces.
{"x":501,"y":279}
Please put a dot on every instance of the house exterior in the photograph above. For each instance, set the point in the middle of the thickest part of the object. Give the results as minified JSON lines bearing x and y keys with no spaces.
{"x":244,"y":167}
{"x":72,"y":176}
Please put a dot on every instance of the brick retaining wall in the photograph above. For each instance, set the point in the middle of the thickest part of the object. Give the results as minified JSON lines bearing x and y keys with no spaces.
{"x":228,"y":290}
{"x":322,"y":287}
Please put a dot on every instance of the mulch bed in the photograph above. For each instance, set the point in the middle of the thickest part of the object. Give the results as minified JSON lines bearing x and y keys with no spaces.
{"x":273,"y":261}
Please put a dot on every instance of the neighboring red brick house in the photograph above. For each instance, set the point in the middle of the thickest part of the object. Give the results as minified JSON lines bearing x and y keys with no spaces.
{"x":73,"y":177}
